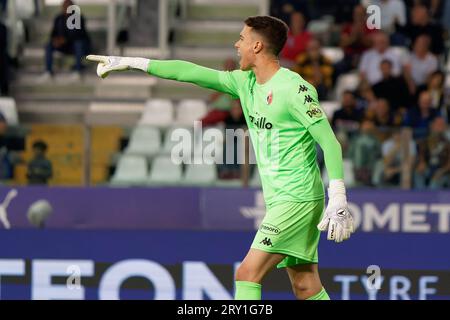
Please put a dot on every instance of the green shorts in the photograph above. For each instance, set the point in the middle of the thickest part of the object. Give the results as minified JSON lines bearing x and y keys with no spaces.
{"x":290,"y":228}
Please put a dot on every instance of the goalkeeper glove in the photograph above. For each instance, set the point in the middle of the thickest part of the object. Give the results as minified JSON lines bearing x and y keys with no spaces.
{"x":337,"y":218}
{"x":107,"y":64}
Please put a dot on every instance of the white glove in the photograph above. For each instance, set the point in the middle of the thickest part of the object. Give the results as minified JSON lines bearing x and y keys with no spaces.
{"x":107,"y":64}
{"x":337,"y":218}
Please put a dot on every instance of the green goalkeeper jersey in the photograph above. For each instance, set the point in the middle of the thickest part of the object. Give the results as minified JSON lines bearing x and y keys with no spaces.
{"x":278,"y":114}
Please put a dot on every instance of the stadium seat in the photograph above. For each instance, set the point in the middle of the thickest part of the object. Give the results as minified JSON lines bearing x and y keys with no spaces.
{"x":174,"y":136}
{"x":9,"y":110}
{"x":209,"y":147}
{"x":200,"y":175}
{"x":329,"y":107}
{"x":164,"y":172}
{"x":131,"y":170}
{"x":145,"y":141}
{"x":190,"y":110}
{"x":348,"y":81}
{"x":335,"y":54}
{"x":157,"y":113}
{"x":319,"y":26}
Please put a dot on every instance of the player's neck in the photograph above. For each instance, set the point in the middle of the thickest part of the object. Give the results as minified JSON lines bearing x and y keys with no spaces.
{"x":265,"y":70}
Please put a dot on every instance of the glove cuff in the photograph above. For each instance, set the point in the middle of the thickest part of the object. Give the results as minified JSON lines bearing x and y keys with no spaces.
{"x":336,"y":188}
{"x":139,"y":64}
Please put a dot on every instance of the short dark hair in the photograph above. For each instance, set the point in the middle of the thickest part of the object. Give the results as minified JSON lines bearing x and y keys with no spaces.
{"x":273,"y":30}
{"x":40,"y":145}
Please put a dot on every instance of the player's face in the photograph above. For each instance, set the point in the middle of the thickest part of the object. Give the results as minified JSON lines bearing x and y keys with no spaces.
{"x":245,"y":49}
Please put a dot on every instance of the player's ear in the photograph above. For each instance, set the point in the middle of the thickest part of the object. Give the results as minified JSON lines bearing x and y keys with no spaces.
{"x":258,"y":46}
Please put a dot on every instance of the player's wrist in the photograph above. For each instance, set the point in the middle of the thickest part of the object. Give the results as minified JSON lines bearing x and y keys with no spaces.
{"x":336,"y":190}
{"x":137,"y":63}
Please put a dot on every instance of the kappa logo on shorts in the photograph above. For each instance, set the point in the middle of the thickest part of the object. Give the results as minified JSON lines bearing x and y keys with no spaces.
{"x":267,"y":242}
{"x":269,"y":229}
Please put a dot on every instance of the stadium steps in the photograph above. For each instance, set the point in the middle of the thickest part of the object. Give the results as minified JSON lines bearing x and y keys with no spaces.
{"x":214,"y":23}
{"x":221,"y":10}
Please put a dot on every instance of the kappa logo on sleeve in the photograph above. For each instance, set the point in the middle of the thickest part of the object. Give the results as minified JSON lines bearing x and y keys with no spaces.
{"x":314,"y":111}
{"x":302,"y":88}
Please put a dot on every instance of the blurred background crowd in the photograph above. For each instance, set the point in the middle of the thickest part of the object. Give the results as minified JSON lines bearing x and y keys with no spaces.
{"x":386,"y":91}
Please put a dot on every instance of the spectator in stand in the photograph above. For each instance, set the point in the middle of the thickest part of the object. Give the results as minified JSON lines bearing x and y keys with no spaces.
{"x":284,"y":8}
{"x":348,"y":117}
{"x":297,"y":41}
{"x":68,"y":41}
{"x":435,"y":87}
{"x":365,"y":153}
{"x":420,"y":64}
{"x":435,"y":7}
{"x":421,"y":24}
{"x":235,"y":120}
{"x":420,"y":117}
{"x":364,"y":96}
{"x":39,"y":168}
{"x":380,"y":113}
{"x":354,"y":41}
{"x":433,"y":166}
{"x":315,"y":68}
{"x":220,"y":103}
{"x":369,"y":66}
{"x":393,"y":89}
{"x":394,"y":158}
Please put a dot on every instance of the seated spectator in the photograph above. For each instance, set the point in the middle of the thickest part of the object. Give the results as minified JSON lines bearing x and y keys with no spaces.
{"x":235,"y":120}
{"x":364,"y":96}
{"x":221,"y":103}
{"x":433,"y":166}
{"x":369,"y":66}
{"x":393,"y":89}
{"x":421,"y":63}
{"x":354,"y":41}
{"x":39,"y":168}
{"x":71,"y":42}
{"x":435,"y":87}
{"x":380,"y":113}
{"x":315,"y":68}
{"x":349,"y":116}
{"x":284,"y":8}
{"x":421,"y":24}
{"x":365,"y":152}
{"x":420,"y":117}
{"x":394,"y":158}
{"x":297,"y":41}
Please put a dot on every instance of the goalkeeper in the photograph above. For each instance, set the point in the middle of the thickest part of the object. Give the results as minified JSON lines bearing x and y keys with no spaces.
{"x":285,"y":121}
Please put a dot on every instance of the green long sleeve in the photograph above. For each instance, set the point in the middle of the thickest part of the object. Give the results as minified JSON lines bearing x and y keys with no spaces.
{"x":188,"y":72}
{"x":323,"y":134}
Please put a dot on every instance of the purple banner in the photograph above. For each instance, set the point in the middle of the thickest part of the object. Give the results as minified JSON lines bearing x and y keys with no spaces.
{"x":109,"y":208}
{"x":217,"y":209}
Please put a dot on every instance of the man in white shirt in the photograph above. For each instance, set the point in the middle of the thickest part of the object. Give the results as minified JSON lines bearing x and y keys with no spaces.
{"x":421,"y":63}
{"x":369,"y":66}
